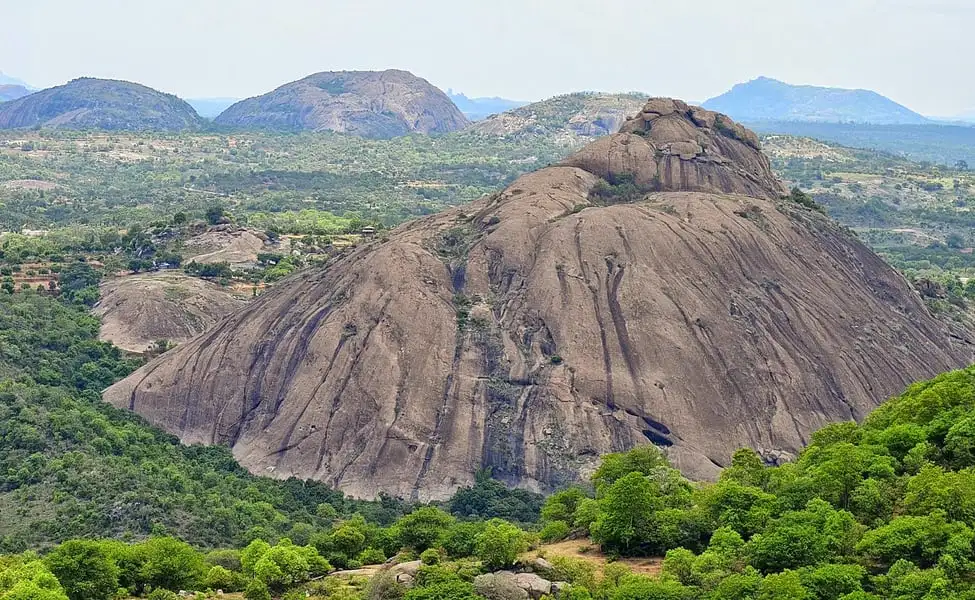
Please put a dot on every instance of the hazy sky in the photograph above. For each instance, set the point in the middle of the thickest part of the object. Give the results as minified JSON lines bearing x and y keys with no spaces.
{"x":918,"y":52}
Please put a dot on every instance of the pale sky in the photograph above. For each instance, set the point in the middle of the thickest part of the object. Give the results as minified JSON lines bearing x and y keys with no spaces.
{"x":917,"y":52}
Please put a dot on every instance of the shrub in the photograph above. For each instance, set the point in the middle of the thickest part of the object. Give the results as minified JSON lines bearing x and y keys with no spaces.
{"x":257,"y":590}
{"x":451,"y":590}
{"x":430,"y":556}
{"x":422,"y":528}
{"x":85,"y":569}
{"x":372,"y":556}
{"x":220,"y":578}
{"x":460,"y":539}
{"x":384,"y":587}
{"x":554,"y":531}
{"x":499,"y":545}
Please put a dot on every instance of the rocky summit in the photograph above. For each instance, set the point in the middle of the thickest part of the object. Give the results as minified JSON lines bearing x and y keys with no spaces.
{"x":657,"y":287}
{"x":373,"y":104}
{"x":89,"y":103}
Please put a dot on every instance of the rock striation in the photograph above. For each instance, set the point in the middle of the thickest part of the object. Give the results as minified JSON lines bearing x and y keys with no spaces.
{"x":657,"y":287}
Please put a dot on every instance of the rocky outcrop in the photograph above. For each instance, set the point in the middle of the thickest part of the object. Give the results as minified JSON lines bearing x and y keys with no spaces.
{"x":226,"y":244}
{"x":655,"y":288}
{"x":89,"y":103}
{"x":139,"y":310}
{"x":373,"y":104}
{"x":671,"y":146}
{"x":571,"y":119}
{"x":505,"y":585}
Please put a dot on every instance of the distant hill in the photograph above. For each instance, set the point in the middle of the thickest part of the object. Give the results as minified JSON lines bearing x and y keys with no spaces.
{"x":574,"y":118}
{"x":476,"y":109}
{"x":89,"y":103}
{"x":9,"y":91}
{"x":765,"y":99}
{"x":372,"y":104}
{"x":210,"y":108}
{"x":9,"y":80}
{"x":936,"y":143}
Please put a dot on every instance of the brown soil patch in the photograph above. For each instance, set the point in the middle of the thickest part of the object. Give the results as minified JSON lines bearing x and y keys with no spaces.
{"x":585,"y":550}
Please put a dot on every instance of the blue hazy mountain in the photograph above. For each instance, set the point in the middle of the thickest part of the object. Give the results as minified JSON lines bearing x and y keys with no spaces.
{"x":479,"y":108}
{"x":766,"y":99}
{"x":209,"y":108}
{"x":10,"y":80}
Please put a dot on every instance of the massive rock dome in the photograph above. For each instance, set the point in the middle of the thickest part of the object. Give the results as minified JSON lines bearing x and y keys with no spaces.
{"x":373,"y":104}
{"x":657,"y":287}
{"x":89,"y":103}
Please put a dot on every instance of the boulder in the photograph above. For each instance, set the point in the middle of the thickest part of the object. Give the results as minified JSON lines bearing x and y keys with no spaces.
{"x":658,"y":107}
{"x":535,"y":585}
{"x":499,"y":586}
{"x":703,"y":117}
{"x":540,"y":565}
{"x":409,"y":568}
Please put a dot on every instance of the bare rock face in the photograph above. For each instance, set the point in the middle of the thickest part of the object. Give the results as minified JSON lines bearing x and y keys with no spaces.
{"x":225,"y":244}
{"x":655,"y":288}
{"x":671,"y":146}
{"x":139,"y":310}
{"x":374,"y":104}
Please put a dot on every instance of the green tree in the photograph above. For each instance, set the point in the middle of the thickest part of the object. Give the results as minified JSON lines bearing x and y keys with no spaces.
{"x":257,"y":590}
{"x":26,"y":578}
{"x":423,"y":527}
{"x":215,"y":214}
{"x":460,"y":539}
{"x":254,"y":552}
{"x":747,"y":469}
{"x":171,"y":564}
{"x":561,"y":506}
{"x":782,"y":586}
{"x":626,"y":512}
{"x":830,"y":582}
{"x":499,"y":545}
{"x":85,"y":569}
{"x":643,"y":459}
{"x":220,"y":578}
